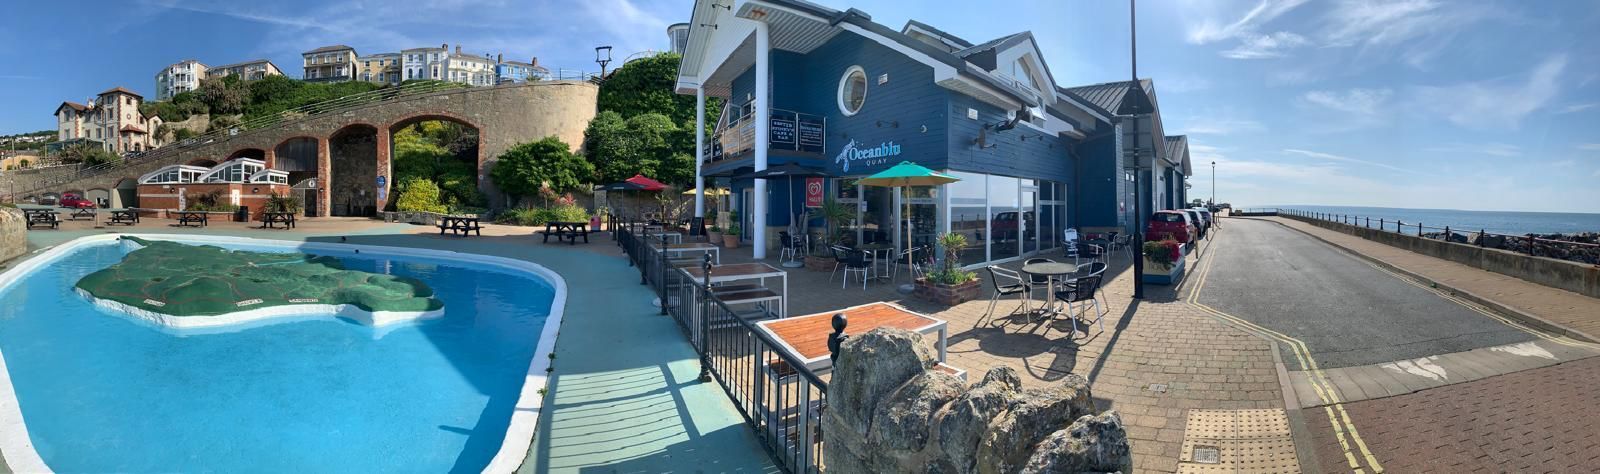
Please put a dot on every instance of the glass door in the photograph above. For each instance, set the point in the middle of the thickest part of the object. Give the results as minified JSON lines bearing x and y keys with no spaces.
{"x":747,"y":202}
{"x":1028,"y":204}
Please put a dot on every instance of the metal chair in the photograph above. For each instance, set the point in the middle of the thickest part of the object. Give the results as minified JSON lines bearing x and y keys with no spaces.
{"x":789,"y":250}
{"x":855,"y":261}
{"x":1037,"y":282}
{"x":1014,"y":284}
{"x":1082,"y":292}
{"x":838,"y":253}
{"x":908,"y":257}
{"x":1122,"y":242}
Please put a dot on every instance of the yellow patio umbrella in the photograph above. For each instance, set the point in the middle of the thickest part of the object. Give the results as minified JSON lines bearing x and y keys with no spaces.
{"x":709,"y":192}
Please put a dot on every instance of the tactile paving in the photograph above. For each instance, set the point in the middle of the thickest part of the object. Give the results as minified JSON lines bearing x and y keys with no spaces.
{"x":1237,"y":441}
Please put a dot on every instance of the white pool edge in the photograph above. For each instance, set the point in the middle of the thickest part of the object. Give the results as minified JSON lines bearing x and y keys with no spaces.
{"x":20,"y":456}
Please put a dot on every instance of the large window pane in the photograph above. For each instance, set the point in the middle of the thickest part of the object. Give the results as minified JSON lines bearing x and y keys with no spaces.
{"x":1030,"y":220}
{"x":967,"y":215}
{"x":1004,"y":220}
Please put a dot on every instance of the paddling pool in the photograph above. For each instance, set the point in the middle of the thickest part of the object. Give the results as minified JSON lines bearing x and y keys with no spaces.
{"x":84,"y":388}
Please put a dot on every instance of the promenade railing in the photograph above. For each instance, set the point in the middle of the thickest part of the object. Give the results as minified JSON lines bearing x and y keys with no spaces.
{"x":1529,"y":244}
{"x":780,"y":400}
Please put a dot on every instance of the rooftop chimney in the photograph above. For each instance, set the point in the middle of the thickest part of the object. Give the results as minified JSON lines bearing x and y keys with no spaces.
{"x":534,"y":61}
{"x":458,"y":49}
{"x":499,"y":58}
{"x":444,"y":46}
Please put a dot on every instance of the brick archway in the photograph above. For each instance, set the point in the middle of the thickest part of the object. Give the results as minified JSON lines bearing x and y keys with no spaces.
{"x":441,"y":116}
{"x":355,"y":167}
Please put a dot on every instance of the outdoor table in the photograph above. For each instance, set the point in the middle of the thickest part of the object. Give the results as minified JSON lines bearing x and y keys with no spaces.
{"x":124,"y":216}
{"x":1053,"y":271}
{"x":269,"y":219}
{"x":672,"y":237}
{"x":696,"y":248}
{"x":87,"y":213}
{"x":192,"y":218}
{"x":873,"y":250}
{"x":462,"y":225}
{"x":806,"y":337}
{"x":743,"y":271}
{"x":570,"y":231}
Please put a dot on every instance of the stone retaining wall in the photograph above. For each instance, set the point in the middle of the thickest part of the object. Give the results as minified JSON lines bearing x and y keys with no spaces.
{"x":1571,"y":276}
{"x":13,"y":234}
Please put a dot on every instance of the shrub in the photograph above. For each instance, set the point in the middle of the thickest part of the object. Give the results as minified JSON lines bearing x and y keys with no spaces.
{"x":1163,"y":253}
{"x":526,"y":168}
{"x":537,"y":216}
{"x":949,"y":271}
{"x":210,"y":202}
{"x":420,"y":195}
{"x":282,"y":203}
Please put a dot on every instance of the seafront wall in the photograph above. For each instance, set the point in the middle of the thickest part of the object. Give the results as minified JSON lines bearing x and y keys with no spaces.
{"x":1571,"y":276}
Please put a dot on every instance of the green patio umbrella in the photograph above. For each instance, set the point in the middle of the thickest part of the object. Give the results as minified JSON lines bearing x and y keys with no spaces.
{"x":908,"y":174}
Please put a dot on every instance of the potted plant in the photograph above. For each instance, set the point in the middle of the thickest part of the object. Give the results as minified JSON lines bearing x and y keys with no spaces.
{"x":714,"y":234}
{"x":948,"y":284}
{"x":1163,"y":261}
{"x":731,"y":239}
{"x":835,"y":215}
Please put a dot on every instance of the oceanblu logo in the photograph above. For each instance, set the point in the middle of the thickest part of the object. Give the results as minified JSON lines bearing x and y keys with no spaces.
{"x":874,"y":155}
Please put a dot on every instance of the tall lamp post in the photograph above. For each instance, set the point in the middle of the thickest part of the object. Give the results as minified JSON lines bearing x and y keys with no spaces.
{"x":1135,"y":103}
{"x":602,"y":55}
{"x":1213,"y":185}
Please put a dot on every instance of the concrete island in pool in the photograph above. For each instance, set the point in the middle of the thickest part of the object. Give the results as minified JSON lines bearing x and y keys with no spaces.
{"x":196,"y":286}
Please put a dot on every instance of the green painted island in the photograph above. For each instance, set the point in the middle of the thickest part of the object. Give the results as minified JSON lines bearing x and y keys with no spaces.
{"x":183,"y":285}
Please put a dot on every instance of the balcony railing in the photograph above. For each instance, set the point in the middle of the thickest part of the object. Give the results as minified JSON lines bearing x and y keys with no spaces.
{"x":790,"y":130}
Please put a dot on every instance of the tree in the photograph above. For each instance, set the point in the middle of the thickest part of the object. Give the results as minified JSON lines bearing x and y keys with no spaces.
{"x":648,"y":144}
{"x":645,"y":86}
{"x":227,"y":95}
{"x":523,"y":169}
{"x":420,"y":195}
{"x":86,"y":154}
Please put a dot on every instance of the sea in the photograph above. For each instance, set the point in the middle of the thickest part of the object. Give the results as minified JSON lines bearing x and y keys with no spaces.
{"x":1499,"y":222}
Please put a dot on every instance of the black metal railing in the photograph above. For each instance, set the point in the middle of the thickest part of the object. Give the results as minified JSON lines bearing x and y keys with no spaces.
{"x":1529,"y":244}
{"x":780,"y":399}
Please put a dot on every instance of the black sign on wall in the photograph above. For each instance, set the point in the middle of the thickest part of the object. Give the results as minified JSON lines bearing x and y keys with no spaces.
{"x":810,"y":135}
{"x":783,"y":133}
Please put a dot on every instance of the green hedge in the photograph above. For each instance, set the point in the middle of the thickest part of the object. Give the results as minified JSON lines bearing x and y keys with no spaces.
{"x":538,"y":216}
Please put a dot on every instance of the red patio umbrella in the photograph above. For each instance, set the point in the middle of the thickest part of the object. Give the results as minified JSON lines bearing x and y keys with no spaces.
{"x":646,"y":184}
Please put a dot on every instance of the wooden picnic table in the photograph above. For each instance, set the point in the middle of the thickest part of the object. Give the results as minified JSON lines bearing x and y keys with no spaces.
{"x":695,"y":248}
{"x":460,"y":225}
{"x":192,"y":218}
{"x":124,"y":216}
{"x":806,"y":337}
{"x":743,"y":271}
{"x":41,"y":217}
{"x":570,"y":231}
{"x":269,"y":219}
{"x":83,"y":212}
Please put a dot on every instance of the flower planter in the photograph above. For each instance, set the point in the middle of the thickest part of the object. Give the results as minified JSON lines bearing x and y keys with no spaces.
{"x":948,"y":295}
{"x":1155,"y":273}
{"x":714,"y":237}
{"x":730,"y":241}
{"x":820,"y":264}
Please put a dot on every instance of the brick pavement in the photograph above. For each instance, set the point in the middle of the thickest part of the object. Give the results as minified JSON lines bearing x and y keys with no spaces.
{"x":1202,"y":362}
{"x":1540,"y":420}
{"x":1572,"y":310}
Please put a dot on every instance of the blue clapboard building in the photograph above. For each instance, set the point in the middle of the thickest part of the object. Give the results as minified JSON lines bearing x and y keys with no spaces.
{"x":836,"y":92}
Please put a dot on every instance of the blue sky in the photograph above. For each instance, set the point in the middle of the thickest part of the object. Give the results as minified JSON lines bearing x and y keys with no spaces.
{"x":1403,"y":103}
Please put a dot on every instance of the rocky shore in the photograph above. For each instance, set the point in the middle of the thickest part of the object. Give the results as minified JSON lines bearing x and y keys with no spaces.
{"x":1544,"y":245}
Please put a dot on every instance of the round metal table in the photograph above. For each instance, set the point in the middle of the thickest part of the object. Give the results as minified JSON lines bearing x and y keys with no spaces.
{"x":1053,"y":271}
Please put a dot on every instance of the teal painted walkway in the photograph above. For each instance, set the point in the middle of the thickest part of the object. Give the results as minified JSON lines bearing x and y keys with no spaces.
{"x":624,"y":397}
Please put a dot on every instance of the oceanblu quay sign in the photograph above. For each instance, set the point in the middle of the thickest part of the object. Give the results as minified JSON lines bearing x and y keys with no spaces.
{"x":868,"y":156}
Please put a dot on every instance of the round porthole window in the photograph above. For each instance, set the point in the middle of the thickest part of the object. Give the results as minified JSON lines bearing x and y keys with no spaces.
{"x":852,"y":90}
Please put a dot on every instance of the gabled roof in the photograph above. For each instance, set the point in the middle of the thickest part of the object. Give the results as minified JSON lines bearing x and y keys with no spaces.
{"x":117,"y":90}
{"x":324,"y":49}
{"x":1178,"y":152}
{"x":957,"y":40}
{"x":1105,"y":96}
{"x":72,"y":105}
{"x":996,"y":43}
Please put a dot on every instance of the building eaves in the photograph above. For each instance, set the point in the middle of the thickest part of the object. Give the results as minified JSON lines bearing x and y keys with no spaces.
{"x":943,"y":34}
{"x":119,"y":89}
{"x":325,"y":49}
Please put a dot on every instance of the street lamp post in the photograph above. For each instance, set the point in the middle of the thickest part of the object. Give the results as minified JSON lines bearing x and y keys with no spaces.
{"x":1134,"y":103}
{"x":1213,"y":185}
{"x":602,"y":55}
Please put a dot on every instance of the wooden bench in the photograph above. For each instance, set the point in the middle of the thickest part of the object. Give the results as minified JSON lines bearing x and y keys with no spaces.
{"x":86,"y":213}
{"x":459,"y":225}
{"x":193,"y":219}
{"x":270,"y":219}
{"x":124,"y":217}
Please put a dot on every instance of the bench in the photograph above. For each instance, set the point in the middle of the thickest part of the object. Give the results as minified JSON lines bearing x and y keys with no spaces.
{"x":86,"y":213}
{"x":459,"y":225}
{"x":193,"y":218}
{"x":568,"y":231}
{"x":271,"y":219}
{"x":758,"y":296}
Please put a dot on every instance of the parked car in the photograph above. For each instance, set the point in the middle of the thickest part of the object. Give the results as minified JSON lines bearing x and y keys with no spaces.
{"x":1170,"y":223}
{"x":1194,"y":220}
{"x":76,"y":202}
{"x":1205,"y":217}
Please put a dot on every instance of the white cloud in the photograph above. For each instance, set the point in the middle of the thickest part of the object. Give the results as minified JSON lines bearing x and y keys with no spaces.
{"x":1273,"y":45}
{"x":1495,"y":104}
{"x":1333,"y":157}
{"x":1210,"y":31}
{"x":1578,"y":108}
{"x":1495,"y":149}
{"x":1356,"y":101}
{"x":1564,"y":163}
{"x":1220,"y":126}
{"x":1413,"y":30}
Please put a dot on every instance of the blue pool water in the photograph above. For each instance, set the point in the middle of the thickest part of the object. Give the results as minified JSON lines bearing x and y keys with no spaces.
{"x":102,"y":393}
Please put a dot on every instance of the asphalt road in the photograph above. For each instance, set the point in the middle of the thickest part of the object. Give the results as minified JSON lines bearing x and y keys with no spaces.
{"x":1347,"y":312}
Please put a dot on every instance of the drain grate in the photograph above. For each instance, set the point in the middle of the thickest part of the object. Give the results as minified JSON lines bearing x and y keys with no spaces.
{"x":1157,"y":387}
{"x":1207,"y":454}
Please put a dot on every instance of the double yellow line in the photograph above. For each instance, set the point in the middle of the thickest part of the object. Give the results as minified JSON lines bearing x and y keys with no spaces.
{"x":1343,"y":427}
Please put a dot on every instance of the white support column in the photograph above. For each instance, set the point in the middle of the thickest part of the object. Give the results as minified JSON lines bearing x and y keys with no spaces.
{"x":699,"y":150}
{"x":763,"y":104}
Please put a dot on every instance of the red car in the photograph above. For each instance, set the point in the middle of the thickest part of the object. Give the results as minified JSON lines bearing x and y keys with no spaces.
{"x":76,"y":202}
{"x":1173,"y":223}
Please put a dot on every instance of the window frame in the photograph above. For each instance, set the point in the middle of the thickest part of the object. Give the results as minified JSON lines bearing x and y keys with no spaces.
{"x":845,"y":80}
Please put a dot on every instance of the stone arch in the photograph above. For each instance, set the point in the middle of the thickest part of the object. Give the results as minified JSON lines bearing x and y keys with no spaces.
{"x":250,"y":152}
{"x":299,"y":155}
{"x":101,"y":197}
{"x":202,"y":162}
{"x":353,"y":170}
{"x":126,"y":193}
{"x":473,"y":154}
